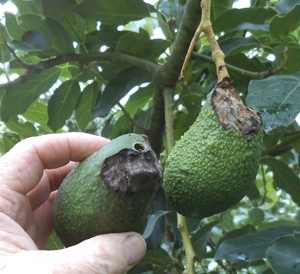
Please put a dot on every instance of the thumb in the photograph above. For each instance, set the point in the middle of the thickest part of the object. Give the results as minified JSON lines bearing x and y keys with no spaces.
{"x":109,"y":253}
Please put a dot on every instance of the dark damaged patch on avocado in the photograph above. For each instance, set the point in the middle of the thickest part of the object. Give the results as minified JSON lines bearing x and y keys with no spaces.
{"x":231,"y":111}
{"x":132,"y":170}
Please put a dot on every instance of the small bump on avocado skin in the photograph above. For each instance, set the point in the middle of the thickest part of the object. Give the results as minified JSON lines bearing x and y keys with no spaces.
{"x":110,"y":191}
{"x":212,"y":166}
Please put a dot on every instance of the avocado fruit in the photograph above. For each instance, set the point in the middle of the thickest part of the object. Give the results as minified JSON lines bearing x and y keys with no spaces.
{"x":108,"y":192}
{"x":214,"y":164}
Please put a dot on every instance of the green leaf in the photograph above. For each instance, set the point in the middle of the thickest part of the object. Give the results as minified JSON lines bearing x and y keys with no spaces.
{"x":60,"y":40}
{"x":142,"y":118}
{"x":284,"y":6}
{"x":74,"y":71}
{"x":2,"y":93}
{"x":18,"y":99}
{"x":54,"y":243}
{"x":16,"y":67}
{"x":27,"y":7}
{"x":268,"y":271}
{"x":140,"y":98}
{"x":245,"y":230}
{"x":62,"y":104}
{"x":200,"y":238}
{"x":111,"y":69}
{"x":191,"y":98}
{"x":13,"y":28}
{"x":25,"y":130}
{"x":286,"y":23}
{"x":253,"y":193}
{"x":142,"y":269}
{"x":87,"y":101}
{"x":252,"y":26}
{"x":271,"y":140}
{"x":293,"y":62}
{"x":63,"y":12}
{"x":238,"y":44}
{"x":107,"y":127}
{"x":251,"y":247}
{"x":122,"y":126}
{"x":5,"y":54}
{"x":297,"y":235}
{"x":38,"y":113}
{"x":218,"y":7}
{"x":181,"y":123}
{"x":192,"y":224}
{"x":157,"y":257}
{"x":32,"y":41}
{"x":133,"y":43}
{"x":8,"y":140}
{"x":157,"y":47}
{"x":116,"y":89}
{"x":284,"y":255}
{"x":231,"y":19}
{"x":108,"y":37}
{"x":285,"y":179}
{"x":256,"y":216}
{"x":139,"y":44}
{"x":113,"y":12}
{"x":241,"y":61}
{"x":275,"y":99}
{"x":282,"y":222}
{"x":152,"y":221}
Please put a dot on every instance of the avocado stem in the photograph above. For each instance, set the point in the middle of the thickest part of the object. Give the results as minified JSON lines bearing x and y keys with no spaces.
{"x":168,"y":100}
{"x":217,"y":54}
{"x":189,"y":251}
{"x":181,"y":221}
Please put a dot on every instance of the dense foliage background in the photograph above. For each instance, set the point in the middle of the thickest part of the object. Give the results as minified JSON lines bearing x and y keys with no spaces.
{"x":98,"y":67}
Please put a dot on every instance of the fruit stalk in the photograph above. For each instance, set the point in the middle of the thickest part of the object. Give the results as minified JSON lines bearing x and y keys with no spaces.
{"x":188,"y":247}
{"x":217,"y":54}
{"x":168,"y":99}
{"x":181,"y":221}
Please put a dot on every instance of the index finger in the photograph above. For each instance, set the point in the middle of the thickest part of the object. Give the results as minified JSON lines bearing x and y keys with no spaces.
{"x":22,"y":167}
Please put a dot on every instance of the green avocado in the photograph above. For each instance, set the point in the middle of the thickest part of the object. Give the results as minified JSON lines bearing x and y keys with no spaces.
{"x":110,"y":191}
{"x":214,"y":164}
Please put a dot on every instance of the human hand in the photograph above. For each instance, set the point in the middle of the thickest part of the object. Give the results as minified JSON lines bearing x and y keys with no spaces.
{"x":30,"y":174}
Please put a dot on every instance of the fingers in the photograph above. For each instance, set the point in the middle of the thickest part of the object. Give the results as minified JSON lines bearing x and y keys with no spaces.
{"x":51,"y":180}
{"x":22,"y":167}
{"x":110,"y":253}
{"x":41,"y":199}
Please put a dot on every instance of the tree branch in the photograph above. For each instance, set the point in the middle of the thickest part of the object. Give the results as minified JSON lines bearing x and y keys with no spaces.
{"x":240,"y":71}
{"x":34,"y":69}
{"x":283,"y":147}
{"x":134,"y":123}
{"x":217,"y":54}
{"x":18,"y":59}
{"x":167,"y":76}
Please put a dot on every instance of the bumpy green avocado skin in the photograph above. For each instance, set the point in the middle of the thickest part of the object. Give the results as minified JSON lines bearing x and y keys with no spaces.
{"x":210,"y":169}
{"x":86,"y":205}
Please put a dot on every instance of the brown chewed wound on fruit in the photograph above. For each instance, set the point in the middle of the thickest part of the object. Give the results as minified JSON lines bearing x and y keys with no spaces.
{"x":132,"y":170}
{"x":231,"y":111}
{"x":139,"y":147}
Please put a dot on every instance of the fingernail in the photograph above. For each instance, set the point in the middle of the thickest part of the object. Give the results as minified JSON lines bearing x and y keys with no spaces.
{"x":135,"y":247}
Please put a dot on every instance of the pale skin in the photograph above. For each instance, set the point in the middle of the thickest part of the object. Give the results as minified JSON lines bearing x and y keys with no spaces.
{"x":30,"y":174}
